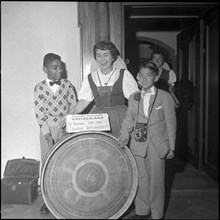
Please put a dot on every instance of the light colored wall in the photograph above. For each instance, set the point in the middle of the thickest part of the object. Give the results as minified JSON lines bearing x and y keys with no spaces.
{"x":29,"y":30}
{"x":169,"y":38}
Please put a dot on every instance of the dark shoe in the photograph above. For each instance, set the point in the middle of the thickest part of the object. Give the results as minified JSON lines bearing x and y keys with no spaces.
{"x":44,"y":209}
{"x":140,"y":216}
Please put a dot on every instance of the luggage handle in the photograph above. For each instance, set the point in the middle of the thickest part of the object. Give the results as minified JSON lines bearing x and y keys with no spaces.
{"x":21,"y":176}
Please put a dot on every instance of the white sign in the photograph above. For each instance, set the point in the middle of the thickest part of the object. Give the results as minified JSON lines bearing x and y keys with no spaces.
{"x":86,"y":122}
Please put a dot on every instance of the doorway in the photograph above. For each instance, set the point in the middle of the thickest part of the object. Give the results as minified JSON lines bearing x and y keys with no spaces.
{"x":181,"y":27}
{"x":188,"y":32}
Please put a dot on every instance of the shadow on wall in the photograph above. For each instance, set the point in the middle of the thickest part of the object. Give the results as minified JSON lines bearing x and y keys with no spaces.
{"x":65,"y":76}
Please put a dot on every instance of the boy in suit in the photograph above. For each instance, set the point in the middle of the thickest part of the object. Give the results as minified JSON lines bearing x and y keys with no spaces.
{"x":53,"y":98}
{"x":150,"y":121}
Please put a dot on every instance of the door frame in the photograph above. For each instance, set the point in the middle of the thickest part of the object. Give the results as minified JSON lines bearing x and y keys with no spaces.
{"x":200,"y":133}
{"x":211,"y":162}
{"x":88,"y":39}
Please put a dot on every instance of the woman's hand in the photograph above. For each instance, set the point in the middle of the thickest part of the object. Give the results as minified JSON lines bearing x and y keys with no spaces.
{"x":79,"y":107}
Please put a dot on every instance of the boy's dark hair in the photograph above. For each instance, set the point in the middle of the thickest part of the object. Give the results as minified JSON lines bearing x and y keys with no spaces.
{"x":158,"y":52}
{"x":106,"y":45}
{"x":50,"y":57}
{"x":150,"y":65}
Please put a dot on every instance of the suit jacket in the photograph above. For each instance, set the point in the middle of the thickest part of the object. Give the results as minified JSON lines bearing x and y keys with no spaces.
{"x":161,"y":125}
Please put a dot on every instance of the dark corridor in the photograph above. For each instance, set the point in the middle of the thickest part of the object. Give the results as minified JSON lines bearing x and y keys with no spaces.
{"x":196,"y":24}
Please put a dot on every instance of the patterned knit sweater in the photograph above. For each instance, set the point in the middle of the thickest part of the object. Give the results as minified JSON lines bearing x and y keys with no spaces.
{"x":51,"y":107}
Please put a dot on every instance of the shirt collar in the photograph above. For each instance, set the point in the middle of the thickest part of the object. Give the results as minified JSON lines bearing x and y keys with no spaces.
{"x":48,"y":80}
{"x":151,"y":91}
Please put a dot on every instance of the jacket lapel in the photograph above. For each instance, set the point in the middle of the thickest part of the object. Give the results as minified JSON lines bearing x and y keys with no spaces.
{"x":152,"y":97}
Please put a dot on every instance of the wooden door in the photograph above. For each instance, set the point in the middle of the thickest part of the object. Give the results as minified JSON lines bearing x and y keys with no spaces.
{"x":189,"y":118}
{"x":211,"y":95}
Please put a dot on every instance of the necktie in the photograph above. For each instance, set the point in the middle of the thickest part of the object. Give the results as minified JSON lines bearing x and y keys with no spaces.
{"x":55,"y":82}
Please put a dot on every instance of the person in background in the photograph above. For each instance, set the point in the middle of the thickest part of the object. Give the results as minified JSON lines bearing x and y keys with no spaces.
{"x":150,"y":128}
{"x":109,"y":87}
{"x":53,"y":99}
{"x":166,"y":77}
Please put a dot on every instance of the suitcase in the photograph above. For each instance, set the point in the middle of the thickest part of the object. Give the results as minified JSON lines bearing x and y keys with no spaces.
{"x":20,"y":182}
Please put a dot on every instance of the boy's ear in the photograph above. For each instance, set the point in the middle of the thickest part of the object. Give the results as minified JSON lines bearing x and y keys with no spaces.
{"x":45,"y":69}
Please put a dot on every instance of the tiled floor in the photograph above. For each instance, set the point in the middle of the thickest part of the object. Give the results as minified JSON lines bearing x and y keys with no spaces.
{"x":190,"y":194}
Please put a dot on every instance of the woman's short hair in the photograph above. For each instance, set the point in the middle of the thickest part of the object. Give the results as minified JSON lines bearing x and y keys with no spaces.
{"x":106,"y":45}
{"x":50,"y":57}
{"x":149,"y":64}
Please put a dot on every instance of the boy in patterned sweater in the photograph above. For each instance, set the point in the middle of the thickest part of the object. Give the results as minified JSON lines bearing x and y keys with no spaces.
{"x":53,"y":98}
